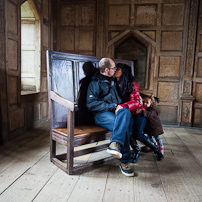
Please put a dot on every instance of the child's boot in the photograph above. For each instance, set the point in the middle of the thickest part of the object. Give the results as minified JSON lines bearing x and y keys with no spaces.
{"x":161,"y":149}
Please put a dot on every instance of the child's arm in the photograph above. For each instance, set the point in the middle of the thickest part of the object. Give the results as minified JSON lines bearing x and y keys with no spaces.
{"x":150,"y":112}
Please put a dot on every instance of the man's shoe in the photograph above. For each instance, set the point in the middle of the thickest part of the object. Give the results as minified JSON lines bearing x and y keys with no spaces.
{"x":126,"y":169}
{"x":114,"y":150}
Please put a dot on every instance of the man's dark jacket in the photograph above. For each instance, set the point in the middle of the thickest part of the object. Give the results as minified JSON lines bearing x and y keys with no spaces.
{"x":102,"y":95}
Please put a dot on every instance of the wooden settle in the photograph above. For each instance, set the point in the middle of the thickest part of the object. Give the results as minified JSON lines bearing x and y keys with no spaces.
{"x":72,"y":124}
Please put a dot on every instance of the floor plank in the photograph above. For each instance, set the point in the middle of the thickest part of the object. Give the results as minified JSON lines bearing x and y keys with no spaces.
{"x":31,"y":182}
{"x":177,"y":168}
{"x":118,"y":187}
{"x":58,"y":188}
{"x":26,"y":173}
{"x":148,"y":185}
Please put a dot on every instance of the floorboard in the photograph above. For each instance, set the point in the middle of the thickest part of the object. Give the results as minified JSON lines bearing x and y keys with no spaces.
{"x":26,"y":173}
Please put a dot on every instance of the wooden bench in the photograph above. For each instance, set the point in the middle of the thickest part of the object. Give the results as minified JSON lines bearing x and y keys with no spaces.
{"x":71,"y":123}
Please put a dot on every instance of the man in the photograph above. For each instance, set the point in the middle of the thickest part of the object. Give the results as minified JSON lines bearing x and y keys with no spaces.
{"x":103,"y":100}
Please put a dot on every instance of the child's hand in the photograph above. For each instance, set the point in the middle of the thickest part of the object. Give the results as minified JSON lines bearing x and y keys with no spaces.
{"x":138,"y":111}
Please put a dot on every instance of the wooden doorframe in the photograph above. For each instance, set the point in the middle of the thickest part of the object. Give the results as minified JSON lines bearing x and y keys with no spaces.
{"x":3,"y":80}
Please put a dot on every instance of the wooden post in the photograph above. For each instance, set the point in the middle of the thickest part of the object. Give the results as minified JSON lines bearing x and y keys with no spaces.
{"x":70,"y":141}
{"x":3,"y":88}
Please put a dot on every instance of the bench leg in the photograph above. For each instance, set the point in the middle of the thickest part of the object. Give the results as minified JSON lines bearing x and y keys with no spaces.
{"x":52,"y":149}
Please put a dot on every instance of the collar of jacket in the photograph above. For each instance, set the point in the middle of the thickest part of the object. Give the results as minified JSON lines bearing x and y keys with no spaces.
{"x":103,"y":78}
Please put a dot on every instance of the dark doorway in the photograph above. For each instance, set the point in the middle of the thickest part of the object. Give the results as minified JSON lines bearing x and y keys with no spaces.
{"x":131,"y":49}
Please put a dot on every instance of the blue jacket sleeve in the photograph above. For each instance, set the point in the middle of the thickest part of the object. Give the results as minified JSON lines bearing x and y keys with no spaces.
{"x":92,"y":101}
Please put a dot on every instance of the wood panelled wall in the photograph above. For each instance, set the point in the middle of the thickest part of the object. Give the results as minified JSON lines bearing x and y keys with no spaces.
{"x":197,"y":74}
{"x":170,"y":31}
{"x":19,"y":112}
{"x":167,"y":28}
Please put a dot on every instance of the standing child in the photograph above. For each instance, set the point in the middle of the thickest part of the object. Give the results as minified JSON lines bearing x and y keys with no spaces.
{"x":153,"y":127}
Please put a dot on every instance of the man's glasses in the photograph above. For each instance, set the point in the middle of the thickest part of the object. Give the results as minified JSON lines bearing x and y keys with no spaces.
{"x":114,"y":68}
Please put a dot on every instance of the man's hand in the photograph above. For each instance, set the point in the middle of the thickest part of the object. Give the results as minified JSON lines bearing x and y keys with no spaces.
{"x":118,"y":108}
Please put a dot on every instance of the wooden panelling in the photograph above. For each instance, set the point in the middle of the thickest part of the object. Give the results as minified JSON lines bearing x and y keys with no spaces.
{"x":199,"y":92}
{"x":119,"y":14}
{"x":44,"y":84}
{"x":200,"y":44}
{"x":67,"y":39}
{"x":86,"y":40}
{"x":76,"y":26}
{"x":67,"y":15}
{"x":29,"y":114}
{"x":43,"y":65}
{"x":12,"y":87}
{"x":12,"y":48}
{"x":171,"y":41}
{"x":113,"y":34}
{"x":168,"y":113}
{"x":45,"y":9}
{"x":37,"y":112}
{"x":45,"y":35}
{"x":199,"y":69}
{"x":16,"y":119}
{"x":44,"y":110}
{"x":146,"y":14}
{"x":197,"y":116}
{"x":86,"y":16}
{"x":12,"y":17}
{"x":169,"y":66}
{"x":172,"y":14}
{"x":150,"y":34}
{"x":168,"y":91}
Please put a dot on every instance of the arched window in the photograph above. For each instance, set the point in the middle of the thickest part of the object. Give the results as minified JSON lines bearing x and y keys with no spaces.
{"x":30,"y":48}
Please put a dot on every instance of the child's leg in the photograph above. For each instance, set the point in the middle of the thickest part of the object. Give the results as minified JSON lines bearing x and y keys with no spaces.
{"x":159,"y":141}
{"x":152,"y":139}
{"x":160,"y":144}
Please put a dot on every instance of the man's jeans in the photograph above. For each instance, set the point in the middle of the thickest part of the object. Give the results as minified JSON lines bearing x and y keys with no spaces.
{"x":118,"y":123}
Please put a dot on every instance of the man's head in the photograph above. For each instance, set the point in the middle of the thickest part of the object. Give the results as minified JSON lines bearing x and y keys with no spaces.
{"x":107,"y":67}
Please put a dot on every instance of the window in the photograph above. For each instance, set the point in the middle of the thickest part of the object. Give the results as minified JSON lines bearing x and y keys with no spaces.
{"x":30,"y":49}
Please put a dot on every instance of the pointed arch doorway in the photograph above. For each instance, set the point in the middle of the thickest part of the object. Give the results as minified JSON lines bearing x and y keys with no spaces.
{"x":136,"y":46}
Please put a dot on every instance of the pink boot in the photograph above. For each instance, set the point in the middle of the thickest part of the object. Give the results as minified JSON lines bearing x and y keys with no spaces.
{"x":161,"y":149}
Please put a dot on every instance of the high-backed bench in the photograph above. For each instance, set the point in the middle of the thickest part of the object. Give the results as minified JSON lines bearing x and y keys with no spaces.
{"x":71,"y":123}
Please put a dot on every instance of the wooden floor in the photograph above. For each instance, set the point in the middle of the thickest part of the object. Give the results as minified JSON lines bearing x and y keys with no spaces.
{"x":26,"y":173}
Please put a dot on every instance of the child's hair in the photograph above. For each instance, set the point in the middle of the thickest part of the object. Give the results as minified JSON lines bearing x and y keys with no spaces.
{"x":153,"y":100}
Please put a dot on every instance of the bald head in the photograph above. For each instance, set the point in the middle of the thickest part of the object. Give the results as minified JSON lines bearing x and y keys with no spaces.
{"x":105,"y":63}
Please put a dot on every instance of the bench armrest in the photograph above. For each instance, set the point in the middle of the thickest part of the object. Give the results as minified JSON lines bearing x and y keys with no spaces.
{"x":61,"y":100}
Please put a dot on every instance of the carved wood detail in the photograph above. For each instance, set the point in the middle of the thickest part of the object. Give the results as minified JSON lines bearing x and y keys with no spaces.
{"x":187,"y":86}
{"x":186,"y":112}
{"x":191,"y":37}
